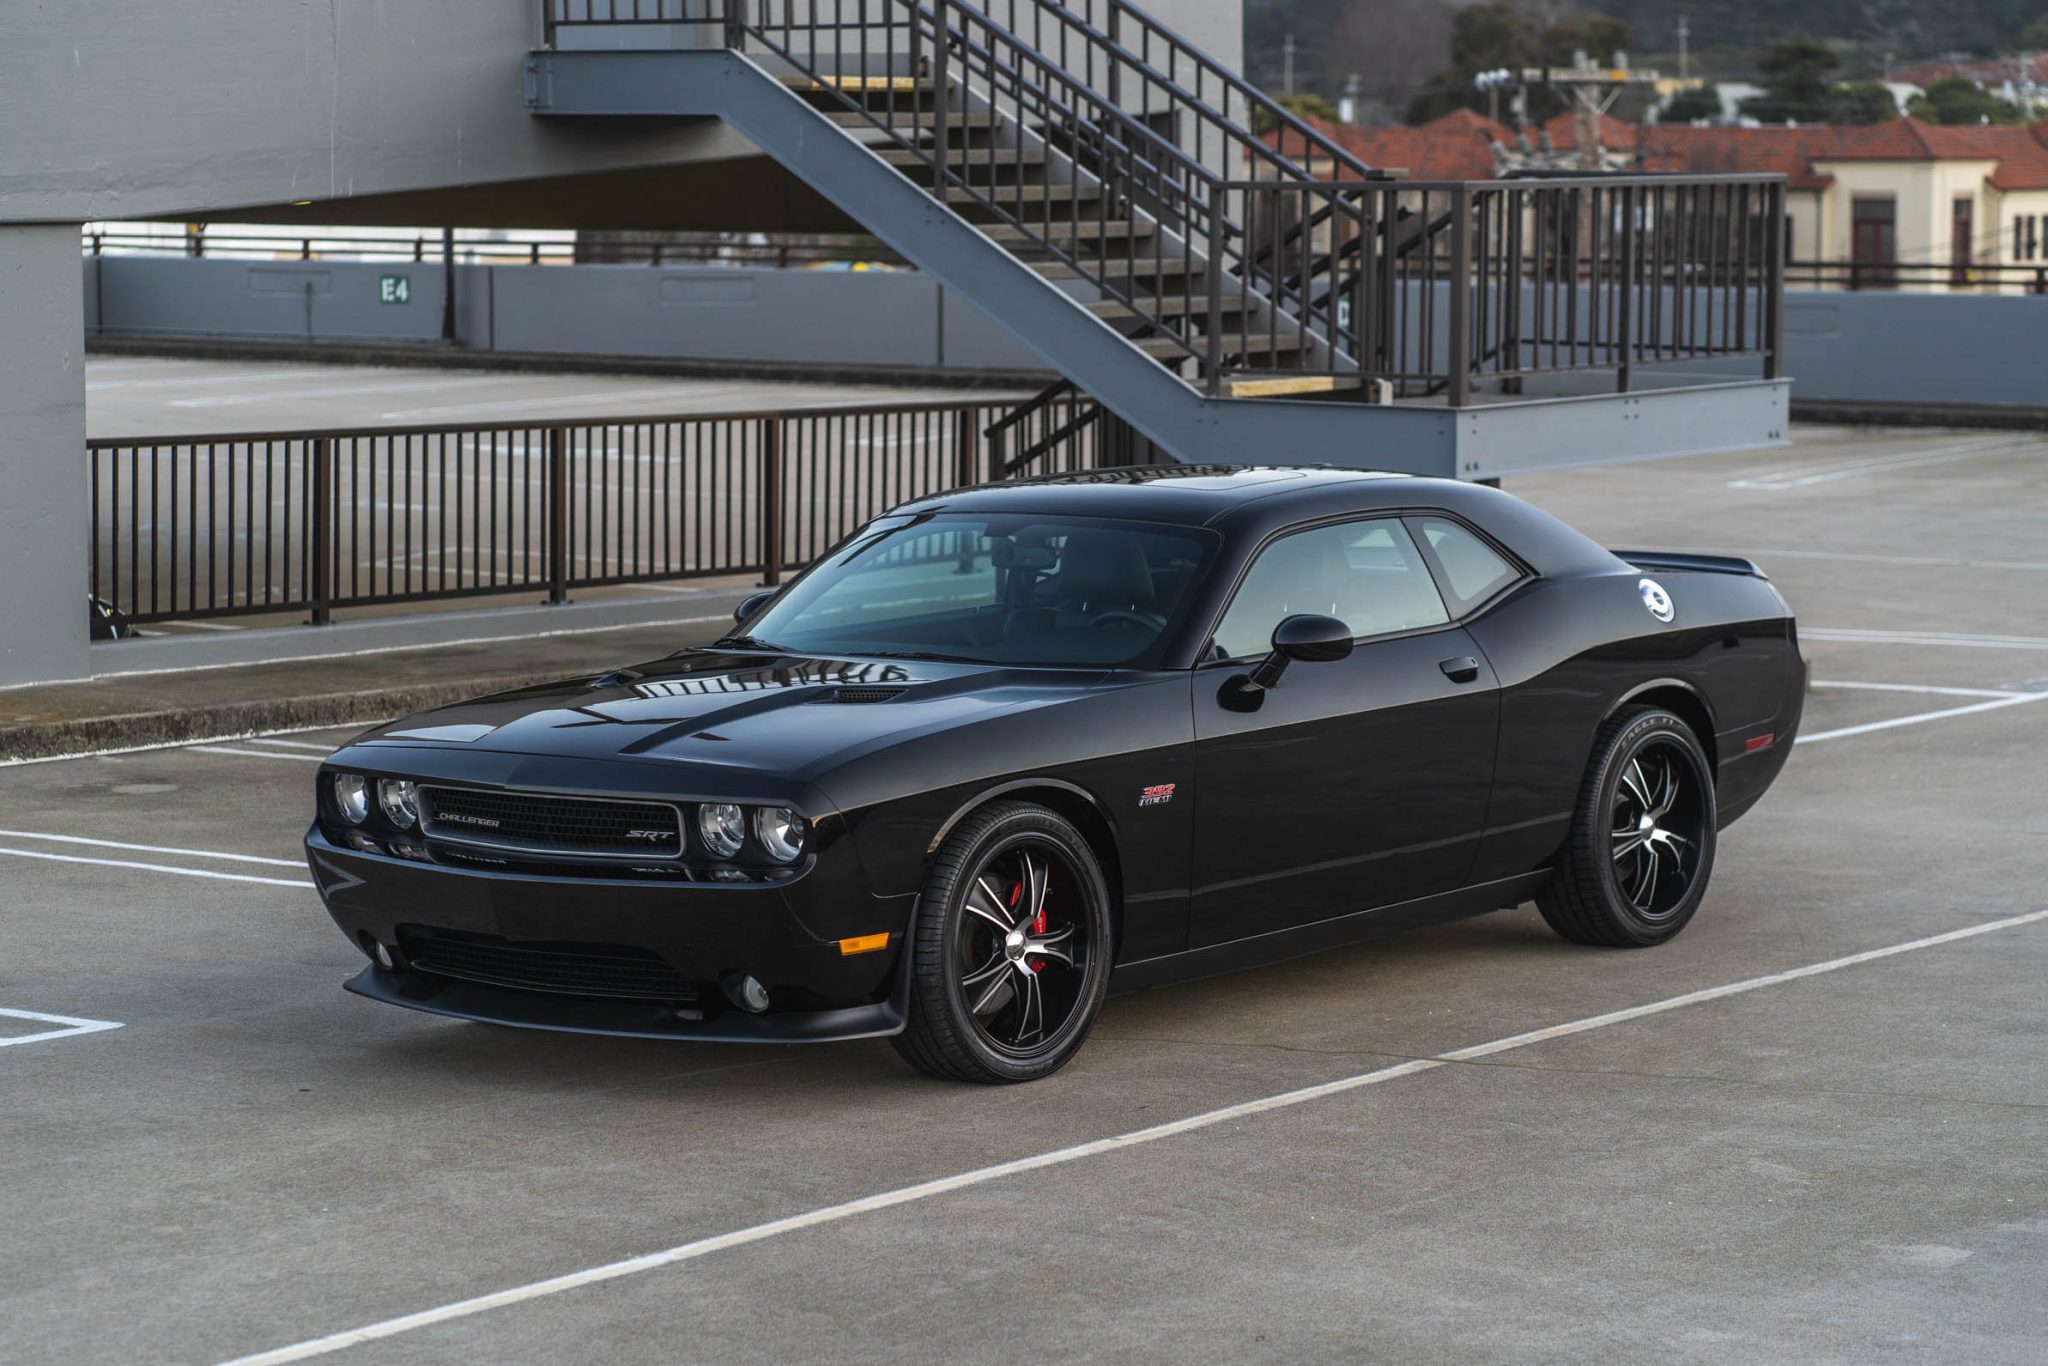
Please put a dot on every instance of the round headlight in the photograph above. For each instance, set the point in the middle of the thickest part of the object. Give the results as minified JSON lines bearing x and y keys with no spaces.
{"x":401,"y":801}
{"x":781,"y":832}
{"x":352,"y":797}
{"x":721,"y":827}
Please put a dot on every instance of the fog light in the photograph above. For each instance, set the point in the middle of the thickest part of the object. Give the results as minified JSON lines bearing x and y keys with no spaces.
{"x":352,"y":797}
{"x":361,"y":843}
{"x":401,"y":801}
{"x":745,"y":992}
{"x":379,"y":955}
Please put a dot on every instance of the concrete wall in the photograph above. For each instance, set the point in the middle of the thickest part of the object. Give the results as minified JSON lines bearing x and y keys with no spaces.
{"x":853,"y":318}
{"x":43,"y":512}
{"x":1900,"y":347}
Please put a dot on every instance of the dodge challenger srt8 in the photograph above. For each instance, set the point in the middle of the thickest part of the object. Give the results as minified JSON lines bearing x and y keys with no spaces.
{"x":1006,"y":749}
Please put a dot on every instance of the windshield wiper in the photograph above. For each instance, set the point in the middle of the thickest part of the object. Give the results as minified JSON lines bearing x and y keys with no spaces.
{"x":749,"y":643}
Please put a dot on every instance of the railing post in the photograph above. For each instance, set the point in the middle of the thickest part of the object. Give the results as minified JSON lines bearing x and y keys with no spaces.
{"x":558,"y":515}
{"x":1626,"y":282}
{"x":965,"y":452}
{"x":1773,"y":319}
{"x":771,"y":502}
{"x":1212,"y":281}
{"x":321,"y":481}
{"x":942,"y":101}
{"x":1459,"y":322}
{"x":735,"y":28}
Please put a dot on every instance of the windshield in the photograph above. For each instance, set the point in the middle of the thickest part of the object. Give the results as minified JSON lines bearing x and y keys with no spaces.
{"x":997,"y":589}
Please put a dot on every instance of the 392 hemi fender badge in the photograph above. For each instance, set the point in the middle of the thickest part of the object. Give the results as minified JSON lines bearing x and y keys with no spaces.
{"x":1656,"y":599}
{"x":1159,"y":794}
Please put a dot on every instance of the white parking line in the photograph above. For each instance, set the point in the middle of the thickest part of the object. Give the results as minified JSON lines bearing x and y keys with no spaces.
{"x":2010,"y":700}
{"x":1804,"y":476}
{"x":925,"y":1190}
{"x":1919,"y":687}
{"x":296,"y":744}
{"x":253,"y":753}
{"x":1967,"y":640}
{"x":151,"y":848}
{"x":155,"y":868}
{"x":1930,"y":561}
{"x":68,"y":1025}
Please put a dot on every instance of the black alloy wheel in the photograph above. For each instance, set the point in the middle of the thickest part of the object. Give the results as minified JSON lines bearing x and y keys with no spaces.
{"x":1010,"y":949}
{"x":1642,"y":844}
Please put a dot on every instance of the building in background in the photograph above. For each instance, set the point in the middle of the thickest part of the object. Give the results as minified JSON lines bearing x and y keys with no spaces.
{"x":1900,"y":203}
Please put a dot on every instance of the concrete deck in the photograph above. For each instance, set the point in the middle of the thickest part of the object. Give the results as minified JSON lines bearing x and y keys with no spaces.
{"x":1850,"y":1166}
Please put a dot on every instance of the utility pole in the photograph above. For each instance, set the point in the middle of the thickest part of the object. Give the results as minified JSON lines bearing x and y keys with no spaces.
{"x":1684,"y":55}
{"x":447,"y":286}
{"x":1592,"y":91}
{"x":1287,"y":66}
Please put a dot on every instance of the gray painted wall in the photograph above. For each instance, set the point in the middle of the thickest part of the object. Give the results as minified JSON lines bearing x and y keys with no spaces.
{"x":688,"y":313}
{"x":43,"y":512}
{"x":1917,"y":348}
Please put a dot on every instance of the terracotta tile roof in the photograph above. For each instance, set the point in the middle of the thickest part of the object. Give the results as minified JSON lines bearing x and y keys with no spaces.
{"x":1457,"y":147}
{"x":1992,"y":71}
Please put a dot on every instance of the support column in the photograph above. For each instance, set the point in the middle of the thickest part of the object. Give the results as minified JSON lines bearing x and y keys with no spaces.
{"x":43,"y":504}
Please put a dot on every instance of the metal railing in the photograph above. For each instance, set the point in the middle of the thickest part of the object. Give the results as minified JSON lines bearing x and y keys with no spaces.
{"x":2008,"y":278}
{"x":1212,"y":218}
{"x":648,"y":249}
{"x":312,"y":521}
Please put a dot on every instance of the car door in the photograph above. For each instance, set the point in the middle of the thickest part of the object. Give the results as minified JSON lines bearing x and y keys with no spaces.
{"x":1354,"y":783}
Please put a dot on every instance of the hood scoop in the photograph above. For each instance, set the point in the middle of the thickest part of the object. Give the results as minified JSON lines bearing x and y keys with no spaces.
{"x":868,"y":694}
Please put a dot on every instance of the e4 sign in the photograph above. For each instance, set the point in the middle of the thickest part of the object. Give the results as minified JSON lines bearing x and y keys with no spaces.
{"x":394,"y":289}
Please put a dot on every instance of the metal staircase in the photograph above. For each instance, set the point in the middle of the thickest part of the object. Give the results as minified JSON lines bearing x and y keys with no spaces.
{"x":1172,"y":242}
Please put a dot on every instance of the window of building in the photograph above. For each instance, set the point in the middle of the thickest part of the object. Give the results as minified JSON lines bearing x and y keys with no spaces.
{"x":1368,"y":575}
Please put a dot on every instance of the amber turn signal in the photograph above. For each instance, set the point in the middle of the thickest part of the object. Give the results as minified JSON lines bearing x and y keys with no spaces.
{"x":864,"y":943}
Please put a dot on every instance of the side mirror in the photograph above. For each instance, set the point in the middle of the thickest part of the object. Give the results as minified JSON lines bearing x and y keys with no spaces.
{"x":1304,"y":637}
{"x":751,"y":604}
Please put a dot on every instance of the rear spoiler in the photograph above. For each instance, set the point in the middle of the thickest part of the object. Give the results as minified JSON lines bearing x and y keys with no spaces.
{"x":1703,"y":564}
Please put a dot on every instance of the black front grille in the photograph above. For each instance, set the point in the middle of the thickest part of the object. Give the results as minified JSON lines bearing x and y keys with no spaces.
{"x":535,"y":823}
{"x":561,"y":969}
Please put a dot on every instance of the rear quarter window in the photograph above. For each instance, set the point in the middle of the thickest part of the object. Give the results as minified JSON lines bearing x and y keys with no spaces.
{"x":1472,"y":570}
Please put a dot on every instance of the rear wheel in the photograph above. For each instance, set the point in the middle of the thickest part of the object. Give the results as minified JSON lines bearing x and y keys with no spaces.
{"x":1642,"y":844}
{"x":1009,"y":949}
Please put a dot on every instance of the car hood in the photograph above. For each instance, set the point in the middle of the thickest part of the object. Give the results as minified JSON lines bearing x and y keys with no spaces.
{"x":793,"y":716}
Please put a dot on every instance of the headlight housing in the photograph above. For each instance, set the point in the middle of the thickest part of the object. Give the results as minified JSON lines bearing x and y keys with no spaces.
{"x":400,"y":798}
{"x":723,"y":828}
{"x":352,"y":797}
{"x":781,"y":832}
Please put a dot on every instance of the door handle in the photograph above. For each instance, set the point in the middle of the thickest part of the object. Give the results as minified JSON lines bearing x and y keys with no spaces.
{"x":1463,"y":669}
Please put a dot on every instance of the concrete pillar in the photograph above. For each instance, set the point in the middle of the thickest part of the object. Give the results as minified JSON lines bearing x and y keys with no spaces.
{"x":43,"y":505}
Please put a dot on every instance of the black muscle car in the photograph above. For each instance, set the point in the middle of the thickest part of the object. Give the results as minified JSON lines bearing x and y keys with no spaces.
{"x":1009,"y":748}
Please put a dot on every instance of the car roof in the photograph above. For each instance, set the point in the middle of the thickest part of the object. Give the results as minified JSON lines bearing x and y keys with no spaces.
{"x":1191,"y":495}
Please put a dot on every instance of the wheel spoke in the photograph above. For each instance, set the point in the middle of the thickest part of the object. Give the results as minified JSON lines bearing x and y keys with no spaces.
{"x":994,"y":912}
{"x":1626,"y":842}
{"x":1034,"y":1008}
{"x":1000,"y":991}
{"x":1638,"y":786}
{"x":1667,"y":790}
{"x":1058,"y":944}
{"x":1037,"y":876}
{"x":992,"y":968}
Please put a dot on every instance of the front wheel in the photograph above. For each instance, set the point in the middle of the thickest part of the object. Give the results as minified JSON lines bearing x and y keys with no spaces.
{"x":1009,"y":950}
{"x":1642,"y":843}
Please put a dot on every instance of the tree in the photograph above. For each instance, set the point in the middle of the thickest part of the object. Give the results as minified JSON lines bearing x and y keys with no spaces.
{"x":1303,"y":106}
{"x":2034,"y":36}
{"x":1794,"y":75}
{"x":1862,"y":102}
{"x":1495,"y":34}
{"x":1958,"y":99}
{"x":1701,"y":102}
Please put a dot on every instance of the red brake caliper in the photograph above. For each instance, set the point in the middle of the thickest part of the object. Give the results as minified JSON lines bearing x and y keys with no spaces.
{"x":1037,"y":925}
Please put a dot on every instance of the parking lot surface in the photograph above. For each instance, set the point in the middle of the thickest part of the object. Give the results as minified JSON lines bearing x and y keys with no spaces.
{"x":1763,"y":1141}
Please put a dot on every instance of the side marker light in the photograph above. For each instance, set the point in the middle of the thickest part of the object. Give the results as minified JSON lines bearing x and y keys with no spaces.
{"x":864,"y":943}
{"x":1757,"y":742}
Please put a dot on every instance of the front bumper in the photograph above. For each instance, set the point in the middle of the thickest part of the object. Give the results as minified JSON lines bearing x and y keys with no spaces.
{"x":786,"y":935}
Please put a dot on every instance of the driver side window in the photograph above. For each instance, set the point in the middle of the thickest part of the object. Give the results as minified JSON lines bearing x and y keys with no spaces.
{"x":1367,"y":574}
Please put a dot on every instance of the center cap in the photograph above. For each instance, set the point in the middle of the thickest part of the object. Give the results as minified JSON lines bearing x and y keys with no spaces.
{"x":1647,"y":825}
{"x":1013,"y":944}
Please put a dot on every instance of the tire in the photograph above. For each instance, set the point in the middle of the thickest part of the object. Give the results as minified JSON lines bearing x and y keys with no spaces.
{"x":1641,"y":849}
{"x":980,"y":960}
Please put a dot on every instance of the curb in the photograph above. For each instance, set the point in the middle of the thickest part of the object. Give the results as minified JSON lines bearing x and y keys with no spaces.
{"x":35,"y":741}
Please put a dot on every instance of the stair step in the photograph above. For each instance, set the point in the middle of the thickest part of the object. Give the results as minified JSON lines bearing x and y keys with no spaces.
{"x":1018,"y":196}
{"x":1170,"y":306}
{"x":1063,"y":232}
{"x":978,"y":159}
{"x":911,"y":122}
{"x":857,"y":84}
{"x":1166,"y":348}
{"x":1293,"y":386}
